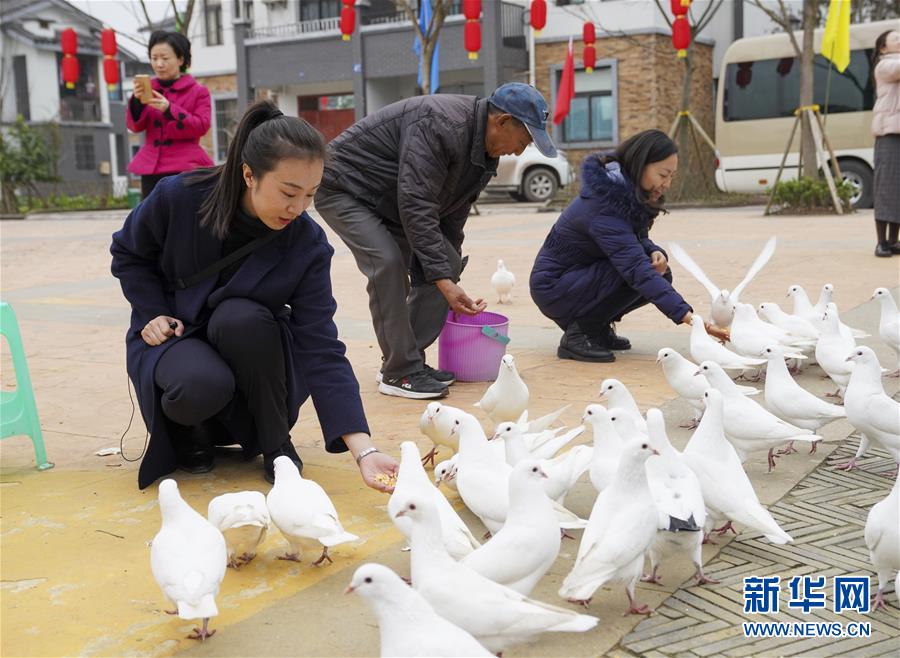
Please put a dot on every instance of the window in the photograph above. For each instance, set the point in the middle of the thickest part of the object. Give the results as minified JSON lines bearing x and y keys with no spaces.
{"x":20,"y":75}
{"x":243,"y":9}
{"x":592,"y":112}
{"x":311,"y":10}
{"x":84,"y":153}
{"x":770,"y":88}
{"x":226,"y":123}
{"x":212,"y":10}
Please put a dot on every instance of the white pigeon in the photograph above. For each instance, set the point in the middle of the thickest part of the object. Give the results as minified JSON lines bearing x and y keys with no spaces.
{"x":544,"y":422}
{"x":408,"y":626}
{"x":445,"y":473}
{"x":680,"y":373}
{"x":791,"y":402}
{"x":706,"y":348}
{"x":507,"y":397}
{"x":436,"y":423}
{"x":832,"y":350}
{"x":621,"y":528}
{"x":795,"y":325}
{"x":482,"y":478}
{"x":304,"y":513}
{"x":528,"y":543}
{"x":502,"y":281}
{"x":243,"y":520}
{"x":618,"y":396}
{"x":497,"y":616}
{"x":544,"y":445}
{"x":679,"y":503}
{"x":804,"y":308}
{"x":722,"y":301}
{"x":188,"y":559}
{"x":883,"y":539}
{"x":727,"y":492}
{"x":825,"y":298}
{"x":750,"y":335}
{"x":889,"y":325}
{"x":748,"y":426}
{"x":562,"y":471}
{"x":869,"y":409}
{"x":607,"y":446}
{"x":412,"y":481}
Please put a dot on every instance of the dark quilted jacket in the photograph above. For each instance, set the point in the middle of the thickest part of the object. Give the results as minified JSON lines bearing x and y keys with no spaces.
{"x":419,"y":164}
{"x":599,"y":243}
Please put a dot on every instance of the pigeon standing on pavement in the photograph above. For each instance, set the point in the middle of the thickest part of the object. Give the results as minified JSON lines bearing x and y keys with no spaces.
{"x":188,"y":559}
{"x":502,"y":281}
{"x":727,"y":491}
{"x":507,"y":397}
{"x":528,"y":543}
{"x":413,"y":482}
{"x":407,"y":624}
{"x":722,"y":301}
{"x":869,"y":409}
{"x":607,"y":446}
{"x":304,"y":513}
{"x":750,"y":335}
{"x":243,"y":520}
{"x":795,"y":325}
{"x":497,"y":616}
{"x":621,"y":528}
{"x":679,"y":503}
{"x":748,"y":426}
{"x":832,"y":350}
{"x":889,"y":324}
{"x":619,"y":397}
{"x":825,"y":298}
{"x":882,"y":536}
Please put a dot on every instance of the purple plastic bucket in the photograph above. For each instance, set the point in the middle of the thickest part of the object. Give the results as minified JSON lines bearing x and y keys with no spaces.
{"x":471,"y":346}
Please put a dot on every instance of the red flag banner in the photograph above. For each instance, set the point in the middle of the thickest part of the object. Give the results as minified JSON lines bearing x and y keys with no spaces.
{"x":566,"y":91}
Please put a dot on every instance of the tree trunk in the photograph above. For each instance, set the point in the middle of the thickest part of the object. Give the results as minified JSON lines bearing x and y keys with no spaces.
{"x":693,"y":170}
{"x":427,"y":54}
{"x":807,"y":57}
{"x":8,"y":205}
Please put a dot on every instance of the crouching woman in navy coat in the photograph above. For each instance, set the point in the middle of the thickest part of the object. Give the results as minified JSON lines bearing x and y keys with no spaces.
{"x":232,"y":323}
{"x":598,"y":262}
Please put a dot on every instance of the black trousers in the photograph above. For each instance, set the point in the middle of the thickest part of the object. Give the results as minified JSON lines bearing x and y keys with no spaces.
{"x":148,"y":182}
{"x":236,"y":368}
{"x":622,"y":301}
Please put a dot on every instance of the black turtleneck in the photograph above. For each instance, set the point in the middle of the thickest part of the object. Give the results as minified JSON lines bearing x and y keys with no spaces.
{"x":243,"y":229}
{"x":136,"y":107}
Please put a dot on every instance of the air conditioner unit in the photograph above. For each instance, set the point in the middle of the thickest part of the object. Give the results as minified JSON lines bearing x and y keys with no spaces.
{"x":275,"y":3}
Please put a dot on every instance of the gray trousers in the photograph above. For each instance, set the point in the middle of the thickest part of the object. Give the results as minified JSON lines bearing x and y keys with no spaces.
{"x":407,"y":319}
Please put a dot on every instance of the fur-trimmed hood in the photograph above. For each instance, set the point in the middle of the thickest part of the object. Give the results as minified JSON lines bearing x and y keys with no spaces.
{"x":609,"y":186}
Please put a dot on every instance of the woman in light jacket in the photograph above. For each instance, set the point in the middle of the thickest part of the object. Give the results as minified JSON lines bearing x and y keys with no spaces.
{"x":174,"y":118}
{"x":886,"y":129}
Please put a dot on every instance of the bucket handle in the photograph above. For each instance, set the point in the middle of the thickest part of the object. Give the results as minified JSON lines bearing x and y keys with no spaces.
{"x":493,"y":334}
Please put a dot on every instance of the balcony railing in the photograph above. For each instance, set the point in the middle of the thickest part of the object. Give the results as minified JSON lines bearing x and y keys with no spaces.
{"x":296,"y":29}
{"x":75,"y":109}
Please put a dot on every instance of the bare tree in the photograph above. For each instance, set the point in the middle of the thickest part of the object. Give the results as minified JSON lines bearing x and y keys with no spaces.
{"x":806,"y":55}
{"x":428,"y":40}
{"x":182,"y":19}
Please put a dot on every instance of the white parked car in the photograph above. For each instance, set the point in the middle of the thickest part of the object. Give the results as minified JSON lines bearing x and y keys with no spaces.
{"x":531,"y":176}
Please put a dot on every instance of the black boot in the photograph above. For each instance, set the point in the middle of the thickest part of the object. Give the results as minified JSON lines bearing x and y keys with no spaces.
{"x":578,"y":346}
{"x":193,"y":448}
{"x":883,"y":250}
{"x":610,"y":340}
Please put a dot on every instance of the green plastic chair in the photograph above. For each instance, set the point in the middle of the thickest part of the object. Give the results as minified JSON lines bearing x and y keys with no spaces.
{"x":18,"y":411}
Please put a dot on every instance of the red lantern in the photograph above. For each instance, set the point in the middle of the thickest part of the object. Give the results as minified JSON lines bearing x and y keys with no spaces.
{"x":680,"y":7}
{"x":70,"y":69}
{"x":681,"y":35}
{"x":110,"y":72}
{"x":590,"y":58}
{"x":589,"y":33}
{"x":472,"y":35}
{"x":108,"y":42}
{"x":471,"y":9}
{"x":538,"y":15}
{"x":110,"y":65}
{"x":348,"y":22}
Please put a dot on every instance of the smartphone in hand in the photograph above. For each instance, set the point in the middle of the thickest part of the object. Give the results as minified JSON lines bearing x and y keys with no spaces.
{"x":143,"y":91}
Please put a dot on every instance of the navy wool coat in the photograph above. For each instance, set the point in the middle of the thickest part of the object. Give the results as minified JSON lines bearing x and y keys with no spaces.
{"x":599,"y":244}
{"x":162,"y":241}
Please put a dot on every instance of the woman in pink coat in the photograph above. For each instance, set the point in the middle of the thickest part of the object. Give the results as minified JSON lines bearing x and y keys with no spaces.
{"x":174,"y":118}
{"x":886,"y":129}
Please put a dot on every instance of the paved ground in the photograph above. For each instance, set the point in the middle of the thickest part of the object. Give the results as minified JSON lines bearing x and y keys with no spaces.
{"x":75,"y":573}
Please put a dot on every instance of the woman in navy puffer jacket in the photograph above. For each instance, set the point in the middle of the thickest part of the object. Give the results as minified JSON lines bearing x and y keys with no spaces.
{"x":598,"y":262}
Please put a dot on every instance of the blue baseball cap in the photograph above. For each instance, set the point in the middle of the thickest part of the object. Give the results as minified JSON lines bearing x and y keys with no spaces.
{"x":526,"y":104}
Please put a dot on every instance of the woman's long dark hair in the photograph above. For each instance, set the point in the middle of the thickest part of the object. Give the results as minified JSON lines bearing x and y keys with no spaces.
{"x":637,"y":152}
{"x":879,"y":44}
{"x":263,"y":138}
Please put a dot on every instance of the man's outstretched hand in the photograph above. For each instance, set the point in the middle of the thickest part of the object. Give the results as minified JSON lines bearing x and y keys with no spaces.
{"x":458,"y":300}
